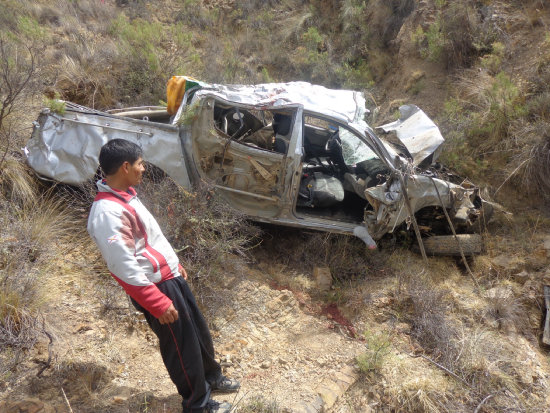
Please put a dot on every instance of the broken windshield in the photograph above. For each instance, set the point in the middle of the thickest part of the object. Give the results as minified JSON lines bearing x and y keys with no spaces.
{"x":354,"y":150}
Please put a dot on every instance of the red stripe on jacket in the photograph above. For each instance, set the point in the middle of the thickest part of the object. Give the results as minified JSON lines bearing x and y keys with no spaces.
{"x":165,"y":271}
{"x":149,"y":296}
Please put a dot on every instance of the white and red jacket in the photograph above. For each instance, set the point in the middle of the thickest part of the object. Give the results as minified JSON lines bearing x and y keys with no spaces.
{"x":131,"y":242}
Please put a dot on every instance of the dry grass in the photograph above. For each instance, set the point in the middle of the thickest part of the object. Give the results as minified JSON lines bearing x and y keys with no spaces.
{"x":532,"y":163}
{"x":443,"y":312}
{"x":205,"y":232}
{"x":35,"y":231}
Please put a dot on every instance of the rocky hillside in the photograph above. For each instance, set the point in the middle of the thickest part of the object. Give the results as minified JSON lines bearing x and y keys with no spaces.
{"x":392,"y":333}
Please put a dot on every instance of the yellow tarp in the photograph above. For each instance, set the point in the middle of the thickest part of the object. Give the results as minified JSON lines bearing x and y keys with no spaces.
{"x":175,"y":90}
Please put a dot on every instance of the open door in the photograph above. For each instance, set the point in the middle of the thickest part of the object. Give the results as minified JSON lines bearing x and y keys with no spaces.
{"x":242,"y":151}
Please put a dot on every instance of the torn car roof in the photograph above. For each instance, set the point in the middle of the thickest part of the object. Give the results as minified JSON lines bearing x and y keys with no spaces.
{"x":346,"y":105}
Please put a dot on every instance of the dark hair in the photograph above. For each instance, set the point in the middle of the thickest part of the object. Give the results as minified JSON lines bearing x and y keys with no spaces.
{"x":115,"y":152}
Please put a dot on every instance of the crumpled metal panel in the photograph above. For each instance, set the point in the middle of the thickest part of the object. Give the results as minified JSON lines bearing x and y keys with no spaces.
{"x":389,"y":203}
{"x":417,"y":133}
{"x":346,"y":105}
{"x":66,"y":148}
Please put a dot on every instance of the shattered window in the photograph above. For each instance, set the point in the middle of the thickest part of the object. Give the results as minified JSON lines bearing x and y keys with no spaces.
{"x":318,"y":131}
{"x":354,"y":150}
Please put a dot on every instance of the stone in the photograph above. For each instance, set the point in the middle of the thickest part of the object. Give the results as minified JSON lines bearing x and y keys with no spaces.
{"x":265,"y":364}
{"x":323,"y":278}
{"x":508,"y":263}
{"x":119,"y":399}
{"x":26,"y":406}
{"x":498,"y":292}
{"x":521,"y":277}
{"x":331,"y":389}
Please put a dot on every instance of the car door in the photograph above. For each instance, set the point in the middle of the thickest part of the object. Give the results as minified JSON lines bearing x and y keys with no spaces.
{"x":248,"y":172}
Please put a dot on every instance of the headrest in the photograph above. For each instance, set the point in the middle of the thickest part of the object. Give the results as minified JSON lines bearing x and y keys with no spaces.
{"x":281,"y":124}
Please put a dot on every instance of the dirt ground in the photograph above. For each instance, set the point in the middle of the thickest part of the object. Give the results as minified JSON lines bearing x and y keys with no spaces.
{"x":275,"y":342}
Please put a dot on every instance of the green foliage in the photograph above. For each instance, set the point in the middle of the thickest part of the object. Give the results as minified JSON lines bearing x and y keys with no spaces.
{"x":378,"y":348}
{"x":356,"y":76}
{"x":431,"y":42}
{"x":30,"y":28}
{"x":188,"y":115}
{"x":493,"y":61}
{"x":505,"y":105}
{"x":266,"y":77}
{"x":259,"y":404}
{"x":152,"y":53}
{"x":55,"y":105}
{"x":313,"y":38}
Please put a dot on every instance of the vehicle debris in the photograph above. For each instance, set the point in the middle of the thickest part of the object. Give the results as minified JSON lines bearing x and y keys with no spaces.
{"x":292,"y":154}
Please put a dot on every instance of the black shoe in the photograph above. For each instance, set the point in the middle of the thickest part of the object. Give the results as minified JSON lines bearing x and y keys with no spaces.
{"x":212,"y":406}
{"x":225,"y":385}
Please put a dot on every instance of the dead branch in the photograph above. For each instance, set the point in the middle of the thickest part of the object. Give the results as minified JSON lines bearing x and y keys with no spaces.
{"x":49,"y":361}
{"x":66,"y":400}
{"x":16,"y":71}
{"x":454,"y":234}
{"x":445,"y":369}
{"x":483,"y":402}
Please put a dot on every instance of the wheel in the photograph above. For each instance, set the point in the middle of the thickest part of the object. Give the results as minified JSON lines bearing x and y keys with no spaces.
{"x":446,"y":244}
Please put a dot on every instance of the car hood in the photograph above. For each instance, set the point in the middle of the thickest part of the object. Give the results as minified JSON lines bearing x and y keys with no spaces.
{"x":414,"y":135}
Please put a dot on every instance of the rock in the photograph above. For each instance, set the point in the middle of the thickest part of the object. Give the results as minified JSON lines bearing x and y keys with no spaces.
{"x":521,"y":277}
{"x":282,"y":361}
{"x":26,"y":406}
{"x":323,"y":278}
{"x":332,"y":388}
{"x":498,"y":292}
{"x":265,"y":364}
{"x":508,"y":263}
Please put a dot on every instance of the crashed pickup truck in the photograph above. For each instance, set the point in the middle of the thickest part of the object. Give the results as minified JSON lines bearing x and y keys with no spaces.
{"x":292,"y":154}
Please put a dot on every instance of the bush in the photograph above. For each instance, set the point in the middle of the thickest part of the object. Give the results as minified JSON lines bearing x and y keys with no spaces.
{"x":27,"y":236}
{"x":378,"y":347}
{"x":258,"y":404}
{"x":456,"y":37}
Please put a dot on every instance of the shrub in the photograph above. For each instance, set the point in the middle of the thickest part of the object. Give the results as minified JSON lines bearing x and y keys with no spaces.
{"x":456,"y":36}
{"x":378,"y":347}
{"x":259,"y":404}
{"x":27,"y":234}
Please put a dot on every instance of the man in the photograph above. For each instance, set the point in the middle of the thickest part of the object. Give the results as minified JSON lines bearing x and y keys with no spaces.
{"x":145,"y":265}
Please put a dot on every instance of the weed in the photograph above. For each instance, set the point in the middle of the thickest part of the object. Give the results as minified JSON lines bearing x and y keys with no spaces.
{"x":378,"y":347}
{"x":31,"y":29}
{"x":188,"y":115}
{"x":259,"y":404}
{"x":493,"y":61}
{"x":55,"y":105}
{"x":534,"y":160}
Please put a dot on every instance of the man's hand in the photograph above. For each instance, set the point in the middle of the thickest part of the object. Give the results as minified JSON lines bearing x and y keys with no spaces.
{"x":169,"y":316}
{"x":183,"y":273}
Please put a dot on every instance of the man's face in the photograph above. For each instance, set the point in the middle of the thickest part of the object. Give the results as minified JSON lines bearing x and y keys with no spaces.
{"x":135,"y":172}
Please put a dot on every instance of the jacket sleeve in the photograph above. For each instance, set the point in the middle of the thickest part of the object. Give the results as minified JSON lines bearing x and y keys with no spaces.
{"x":113,"y":235}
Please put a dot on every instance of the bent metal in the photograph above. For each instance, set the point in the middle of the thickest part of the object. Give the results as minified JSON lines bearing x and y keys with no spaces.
{"x":292,"y":154}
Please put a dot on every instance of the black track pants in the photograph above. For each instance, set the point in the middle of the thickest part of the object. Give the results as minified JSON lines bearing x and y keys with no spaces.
{"x":186,"y":346}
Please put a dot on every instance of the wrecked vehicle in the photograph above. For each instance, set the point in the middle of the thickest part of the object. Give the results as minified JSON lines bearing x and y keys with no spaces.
{"x":292,"y":154}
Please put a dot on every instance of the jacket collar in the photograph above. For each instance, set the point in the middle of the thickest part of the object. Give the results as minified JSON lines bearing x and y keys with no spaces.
{"x":125,"y":196}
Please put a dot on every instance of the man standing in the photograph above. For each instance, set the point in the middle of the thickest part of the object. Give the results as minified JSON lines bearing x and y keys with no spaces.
{"x":143,"y":262}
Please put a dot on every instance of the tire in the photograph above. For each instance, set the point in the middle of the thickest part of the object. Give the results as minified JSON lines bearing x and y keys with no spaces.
{"x":446,"y":245}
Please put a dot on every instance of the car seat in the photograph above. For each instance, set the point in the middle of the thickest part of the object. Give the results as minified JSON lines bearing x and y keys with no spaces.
{"x":281,"y":127}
